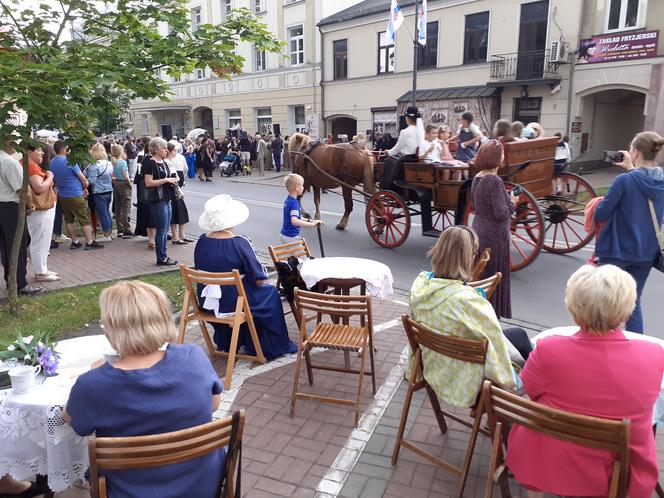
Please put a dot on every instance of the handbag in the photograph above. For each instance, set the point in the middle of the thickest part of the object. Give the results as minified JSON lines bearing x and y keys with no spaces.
{"x":659,"y":262}
{"x":42,"y":202}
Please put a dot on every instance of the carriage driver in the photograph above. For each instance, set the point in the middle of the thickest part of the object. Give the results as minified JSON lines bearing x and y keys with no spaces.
{"x":404,"y":150}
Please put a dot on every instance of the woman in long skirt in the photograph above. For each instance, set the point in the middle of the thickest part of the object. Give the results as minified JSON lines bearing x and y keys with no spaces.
{"x":180,"y":215}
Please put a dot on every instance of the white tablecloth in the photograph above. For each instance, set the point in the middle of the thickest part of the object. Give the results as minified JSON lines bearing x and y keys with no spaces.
{"x":34,"y":438}
{"x":658,"y":411}
{"x":377,"y":276}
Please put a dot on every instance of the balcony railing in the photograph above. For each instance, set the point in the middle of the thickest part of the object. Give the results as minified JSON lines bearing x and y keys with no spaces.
{"x":523,"y":66}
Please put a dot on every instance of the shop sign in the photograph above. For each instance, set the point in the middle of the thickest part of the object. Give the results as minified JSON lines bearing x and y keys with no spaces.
{"x":576,"y":127}
{"x":618,"y":47}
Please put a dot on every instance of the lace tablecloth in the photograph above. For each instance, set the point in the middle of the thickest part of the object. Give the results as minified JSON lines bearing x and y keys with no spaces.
{"x":34,"y":438}
{"x":377,"y":276}
{"x":658,"y":409}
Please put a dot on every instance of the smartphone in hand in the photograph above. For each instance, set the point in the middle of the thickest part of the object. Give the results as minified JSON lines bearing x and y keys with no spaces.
{"x":517,"y":191}
{"x":613,"y":156}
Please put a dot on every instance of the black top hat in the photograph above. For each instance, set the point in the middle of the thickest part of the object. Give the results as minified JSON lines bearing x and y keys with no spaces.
{"x":413,"y":112}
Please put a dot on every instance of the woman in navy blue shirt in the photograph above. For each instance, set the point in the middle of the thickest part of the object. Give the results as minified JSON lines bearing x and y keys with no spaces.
{"x":627,"y":239}
{"x":149,"y":390}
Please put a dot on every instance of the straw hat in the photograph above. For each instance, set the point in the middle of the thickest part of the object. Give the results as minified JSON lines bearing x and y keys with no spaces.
{"x":222,"y":212}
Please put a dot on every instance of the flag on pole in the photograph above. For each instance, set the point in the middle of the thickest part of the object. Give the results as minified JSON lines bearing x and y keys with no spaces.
{"x":394,"y":23}
{"x":422,"y":24}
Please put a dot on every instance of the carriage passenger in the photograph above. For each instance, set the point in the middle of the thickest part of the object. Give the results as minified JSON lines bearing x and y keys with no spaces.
{"x":446,"y":156}
{"x":468,"y":136}
{"x":404,"y":150}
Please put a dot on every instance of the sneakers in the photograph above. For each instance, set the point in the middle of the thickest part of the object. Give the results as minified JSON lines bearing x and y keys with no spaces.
{"x":167,"y":262}
{"x":29,"y":290}
{"x":62,"y":238}
{"x":54,"y":244}
{"x":128,"y":235}
{"x":45,"y":277}
{"x":105,"y":239}
{"x":93,"y":245}
{"x":76,"y":245}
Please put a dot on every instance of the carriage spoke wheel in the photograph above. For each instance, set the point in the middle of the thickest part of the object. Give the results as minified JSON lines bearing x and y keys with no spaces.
{"x":442,"y":219}
{"x":526,"y":230}
{"x":564,"y":214}
{"x":388,"y":219}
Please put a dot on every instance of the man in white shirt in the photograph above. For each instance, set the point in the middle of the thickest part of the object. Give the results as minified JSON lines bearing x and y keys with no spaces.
{"x":404,"y":150}
{"x":11,"y":180}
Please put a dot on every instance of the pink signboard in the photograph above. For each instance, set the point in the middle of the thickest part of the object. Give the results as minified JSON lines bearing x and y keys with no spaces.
{"x":618,"y":47}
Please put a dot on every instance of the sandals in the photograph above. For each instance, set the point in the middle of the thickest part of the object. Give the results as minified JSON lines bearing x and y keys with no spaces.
{"x":179,"y":242}
{"x":151,"y":245}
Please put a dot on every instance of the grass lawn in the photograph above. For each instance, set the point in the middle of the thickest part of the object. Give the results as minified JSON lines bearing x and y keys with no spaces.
{"x":70,"y":309}
{"x":600,"y":191}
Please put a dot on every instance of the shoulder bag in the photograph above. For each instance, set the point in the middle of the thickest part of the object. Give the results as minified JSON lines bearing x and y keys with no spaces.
{"x":45,"y":200}
{"x":659,"y":262}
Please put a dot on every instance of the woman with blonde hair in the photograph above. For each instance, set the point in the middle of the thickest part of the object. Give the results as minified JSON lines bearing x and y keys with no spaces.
{"x":628,"y":238}
{"x":442,"y":300}
{"x":159,"y":387}
{"x":599,"y":371}
{"x":100,"y":179}
{"x":121,"y":191}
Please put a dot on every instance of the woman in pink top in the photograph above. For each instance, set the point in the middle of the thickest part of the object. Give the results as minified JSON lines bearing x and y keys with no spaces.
{"x":447,"y":157}
{"x":596,"y":372}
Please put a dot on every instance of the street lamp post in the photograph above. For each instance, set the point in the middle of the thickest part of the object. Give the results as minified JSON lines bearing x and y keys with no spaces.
{"x":416,"y":52}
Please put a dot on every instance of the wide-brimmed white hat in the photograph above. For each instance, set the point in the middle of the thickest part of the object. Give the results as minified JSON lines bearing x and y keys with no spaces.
{"x":222,"y":212}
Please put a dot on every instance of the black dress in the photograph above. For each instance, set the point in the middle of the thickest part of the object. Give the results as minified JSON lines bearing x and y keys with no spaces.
{"x":180,"y":214}
{"x":143,"y":218}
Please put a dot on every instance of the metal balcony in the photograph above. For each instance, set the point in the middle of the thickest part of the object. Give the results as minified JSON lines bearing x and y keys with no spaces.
{"x":523,"y":68}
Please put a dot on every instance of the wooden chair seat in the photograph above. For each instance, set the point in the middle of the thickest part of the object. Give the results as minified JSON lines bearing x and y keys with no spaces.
{"x":340,"y":337}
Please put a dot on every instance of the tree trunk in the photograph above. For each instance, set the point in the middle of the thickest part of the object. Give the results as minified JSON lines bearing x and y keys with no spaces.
{"x":12,"y":289}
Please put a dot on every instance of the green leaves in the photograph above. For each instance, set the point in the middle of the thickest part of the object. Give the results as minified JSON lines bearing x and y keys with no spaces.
{"x":86,"y":82}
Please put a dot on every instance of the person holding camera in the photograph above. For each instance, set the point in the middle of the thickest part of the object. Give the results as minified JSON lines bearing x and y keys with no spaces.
{"x":159,"y":194}
{"x":628,"y":239}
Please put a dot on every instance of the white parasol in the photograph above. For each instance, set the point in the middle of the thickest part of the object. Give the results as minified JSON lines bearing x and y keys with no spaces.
{"x":195,"y":133}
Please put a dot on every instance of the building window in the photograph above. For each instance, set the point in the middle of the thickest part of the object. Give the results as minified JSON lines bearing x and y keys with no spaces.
{"x":227,"y":6}
{"x":476,"y":40}
{"x":200,"y":74}
{"x":385,"y":54}
{"x":300,"y":119}
{"x":264,"y":120}
{"x":260,"y":60}
{"x":428,"y":56}
{"x":234,"y":118}
{"x":259,"y":6}
{"x":296,"y":43}
{"x":196,"y":18}
{"x":623,"y":14}
{"x":340,"y":48}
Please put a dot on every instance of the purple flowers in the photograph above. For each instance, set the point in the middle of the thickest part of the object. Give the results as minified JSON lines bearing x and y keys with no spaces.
{"x":48,"y":360}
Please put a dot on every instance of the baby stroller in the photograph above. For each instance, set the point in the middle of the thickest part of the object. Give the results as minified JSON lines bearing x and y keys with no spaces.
{"x":231,"y":165}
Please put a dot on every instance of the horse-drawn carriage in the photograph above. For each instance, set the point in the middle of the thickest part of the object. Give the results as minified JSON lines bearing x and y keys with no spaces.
{"x":549,"y":215}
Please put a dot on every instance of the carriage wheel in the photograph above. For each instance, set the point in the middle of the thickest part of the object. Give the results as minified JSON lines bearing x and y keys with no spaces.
{"x":564,"y":214}
{"x":442,"y":219}
{"x":527,"y":229}
{"x":388,"y":219}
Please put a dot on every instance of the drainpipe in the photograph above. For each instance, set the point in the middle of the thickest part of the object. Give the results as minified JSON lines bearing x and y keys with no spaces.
{"x":322,"y":85}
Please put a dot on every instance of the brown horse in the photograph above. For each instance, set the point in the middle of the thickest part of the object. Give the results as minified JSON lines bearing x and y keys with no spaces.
{"x":349,"y":163}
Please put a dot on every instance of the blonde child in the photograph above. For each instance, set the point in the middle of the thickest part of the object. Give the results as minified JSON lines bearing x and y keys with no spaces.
{"x":290,"y":229}
{"x":447,"y":157}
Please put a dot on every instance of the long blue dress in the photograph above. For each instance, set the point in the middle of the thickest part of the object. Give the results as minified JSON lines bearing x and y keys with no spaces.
{"x":223,"y":255}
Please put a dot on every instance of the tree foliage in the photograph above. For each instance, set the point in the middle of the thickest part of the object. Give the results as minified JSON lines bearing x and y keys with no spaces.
{"x":62,"y":81}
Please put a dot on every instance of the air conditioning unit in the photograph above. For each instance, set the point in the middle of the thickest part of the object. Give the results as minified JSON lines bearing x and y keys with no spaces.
{"x":558,"y":51}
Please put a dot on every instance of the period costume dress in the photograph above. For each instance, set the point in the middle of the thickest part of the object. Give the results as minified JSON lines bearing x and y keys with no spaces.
{"x":493,"y":214}
{"x":224,"y":255}
{"x":605,"y":376}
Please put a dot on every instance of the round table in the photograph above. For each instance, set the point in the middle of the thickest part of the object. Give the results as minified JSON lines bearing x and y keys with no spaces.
{"x":34,"y":438}
{"x":349,"y":272}
{"x":658,"y":410}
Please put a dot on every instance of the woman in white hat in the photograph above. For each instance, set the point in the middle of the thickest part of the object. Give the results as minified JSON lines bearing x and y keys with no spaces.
{"x":220,"y":250}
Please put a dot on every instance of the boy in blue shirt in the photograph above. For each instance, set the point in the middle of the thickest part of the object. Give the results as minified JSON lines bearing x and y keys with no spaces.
{"x":290,"y":229}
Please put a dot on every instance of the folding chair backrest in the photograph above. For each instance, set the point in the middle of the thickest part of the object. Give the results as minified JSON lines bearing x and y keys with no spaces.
{"x":481,"y":264}
{"x":591,"y":432}
{"x":192,"y":277}
{"x":298,"y":248}
{"x":140,"y":452}
{"x":332,"y":304}
{"x":489,"y":285}
{"x":468,"y":350}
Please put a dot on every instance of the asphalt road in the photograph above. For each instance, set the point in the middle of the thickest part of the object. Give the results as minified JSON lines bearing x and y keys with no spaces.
{"x":537,"y":291}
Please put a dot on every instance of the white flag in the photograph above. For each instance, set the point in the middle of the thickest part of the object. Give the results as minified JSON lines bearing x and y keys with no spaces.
{"x":394,"y":23}
{"x":422,"y":24}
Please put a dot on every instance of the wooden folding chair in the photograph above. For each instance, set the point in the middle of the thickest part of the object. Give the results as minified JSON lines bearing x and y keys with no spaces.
{"x":468,"y":350}
{"x":281,"y":253}
{"x":141,"y":452}
{"x":504,"y":408}
{"x":342,"y":337}
{"x":481,"y":264}
{"x":241,"y":315}
{"x":489,"y":285}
